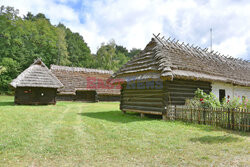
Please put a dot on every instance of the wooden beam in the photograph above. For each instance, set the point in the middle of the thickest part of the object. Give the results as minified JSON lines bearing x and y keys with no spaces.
{"x":145,"y":112}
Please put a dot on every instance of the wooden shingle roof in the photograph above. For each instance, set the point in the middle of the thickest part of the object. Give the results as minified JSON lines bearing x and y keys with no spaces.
{"x":37,"y":75}
{"x":79,"y":69}
{"x":169,"y":59}
{"x":82,"y":79}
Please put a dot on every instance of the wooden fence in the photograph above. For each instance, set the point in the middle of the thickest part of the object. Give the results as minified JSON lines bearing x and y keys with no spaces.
{"x":236,"y":119}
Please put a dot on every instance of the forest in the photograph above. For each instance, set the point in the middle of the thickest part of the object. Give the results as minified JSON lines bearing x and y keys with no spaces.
{"x":28,"y":37}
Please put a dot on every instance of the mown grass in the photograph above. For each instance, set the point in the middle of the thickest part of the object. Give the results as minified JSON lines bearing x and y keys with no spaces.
{"x":98,"y":134}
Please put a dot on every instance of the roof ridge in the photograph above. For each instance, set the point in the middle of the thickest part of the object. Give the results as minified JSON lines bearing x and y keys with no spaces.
{"x":80,"y":69}
{"x":197,"y":48}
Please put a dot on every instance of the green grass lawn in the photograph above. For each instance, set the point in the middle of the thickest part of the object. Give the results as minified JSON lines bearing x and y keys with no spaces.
{"x":98,"y":134}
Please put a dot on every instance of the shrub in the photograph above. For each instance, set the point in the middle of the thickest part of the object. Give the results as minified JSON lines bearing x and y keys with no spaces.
{"x":205,"y":100}
{"x":231,"y":103}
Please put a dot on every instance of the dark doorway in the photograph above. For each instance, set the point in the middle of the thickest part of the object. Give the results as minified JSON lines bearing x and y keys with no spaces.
{"x":222,"y":94}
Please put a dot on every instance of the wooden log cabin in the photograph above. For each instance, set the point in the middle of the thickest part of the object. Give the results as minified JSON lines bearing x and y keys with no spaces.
{"x":36,"y":85}
{"x":166,"y":73}
{"x":84,"y":84}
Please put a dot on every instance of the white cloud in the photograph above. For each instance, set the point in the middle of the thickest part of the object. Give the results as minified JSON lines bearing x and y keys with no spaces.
{"x":54,"y":11}
{"x":232,"y":46}
{"x":132,"y":22}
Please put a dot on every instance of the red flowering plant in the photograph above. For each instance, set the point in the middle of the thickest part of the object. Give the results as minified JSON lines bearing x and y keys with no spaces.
{"x":236,"y":102}
{"x":204,"y":100}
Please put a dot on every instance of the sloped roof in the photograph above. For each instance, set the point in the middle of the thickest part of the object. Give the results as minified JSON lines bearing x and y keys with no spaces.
{"x":80,"y":69}
{"x":37,"y":75}
{"x":81,"y":79}
{"x":169,"y":59}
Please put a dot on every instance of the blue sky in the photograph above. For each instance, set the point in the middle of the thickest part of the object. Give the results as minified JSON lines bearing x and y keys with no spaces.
{"x":131,"y":23}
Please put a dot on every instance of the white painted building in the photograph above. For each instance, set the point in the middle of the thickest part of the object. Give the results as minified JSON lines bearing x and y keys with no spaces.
{"x":230,"y":90}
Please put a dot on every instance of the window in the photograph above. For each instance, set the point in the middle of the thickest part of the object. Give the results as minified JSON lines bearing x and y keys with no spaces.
{"x":222,"y":94}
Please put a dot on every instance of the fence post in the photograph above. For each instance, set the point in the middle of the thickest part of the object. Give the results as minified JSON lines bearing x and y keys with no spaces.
{"x":175,"y":112}
{"x":165,"y":113}
{"x":239,"y":113}
{"x":204,"y":116}
{"x":199,"y":116}
{"x":191,"y":119}
{"x":232,"y":118}
{"x":228,"y":119}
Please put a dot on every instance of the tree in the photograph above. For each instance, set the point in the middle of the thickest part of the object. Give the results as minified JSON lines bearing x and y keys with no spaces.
{"x":2,"y":69}
{"x":78,"y":50}
{"x":105,"y":55}
{"x":29,"y":16}
{"x":9,"y":12}
{"x":109,"y":58}
{"x":24,"y":39}
{"x":133,"y":52}
{"x":121,"y":49}
{"x":10,"y":70}
{"x":63,"y":56}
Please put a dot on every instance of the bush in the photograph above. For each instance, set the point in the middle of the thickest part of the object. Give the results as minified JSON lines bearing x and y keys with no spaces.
{"x":236,"y":102}
{"x":204,"y":100}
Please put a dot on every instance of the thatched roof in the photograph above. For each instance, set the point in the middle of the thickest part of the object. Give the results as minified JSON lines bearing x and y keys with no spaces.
{"x":169,"y":59}
{"x":78,"y":79}
{"x":80,"y":69}
{"x":37,"y":75}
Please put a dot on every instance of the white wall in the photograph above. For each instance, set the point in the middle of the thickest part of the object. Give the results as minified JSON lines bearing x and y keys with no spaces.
{"x":230,"y":90}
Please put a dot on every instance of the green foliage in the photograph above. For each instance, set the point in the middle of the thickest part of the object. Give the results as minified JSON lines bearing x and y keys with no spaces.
{"x":9,"y":70}
{"x":122,"y":50}
{"x":109,"y":58}
{"x":78,"y":51}
{"x":133,"y":52}
{"x":245,"y":103}
{"x":2,"y":69}
{"x":204,"y":100}
{"x":236,"y":102}
{"x":24,"y":39}
{"x":207,"y":100}
{"x":63,"y":56}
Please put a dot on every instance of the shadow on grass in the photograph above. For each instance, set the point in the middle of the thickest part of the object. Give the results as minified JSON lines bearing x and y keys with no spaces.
{"x":5,"y":103}
{"x":215,"y":139}
{"x":115,"y":116}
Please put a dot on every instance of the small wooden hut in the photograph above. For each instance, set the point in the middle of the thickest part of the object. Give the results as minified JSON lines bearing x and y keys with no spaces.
{"x":84,"y":84}
{"x":167,"y":72}
{"x":36,"y":85}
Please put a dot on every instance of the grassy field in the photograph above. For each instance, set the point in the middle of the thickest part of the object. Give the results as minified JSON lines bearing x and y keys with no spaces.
{"x":98,"y":134}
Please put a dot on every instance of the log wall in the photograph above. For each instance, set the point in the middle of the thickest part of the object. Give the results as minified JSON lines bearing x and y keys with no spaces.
{"x":154,"y":97}
{"x":90,"y":96}
{"x":103,"y":97}
{"x":140,"y":98}
{"x":178,"y":91}
{"x":65,"y":97}
{"x":35,"y":96}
